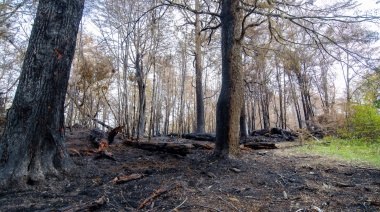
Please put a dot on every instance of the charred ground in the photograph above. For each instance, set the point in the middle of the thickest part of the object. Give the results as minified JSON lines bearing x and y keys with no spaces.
{"x":262,"y":180}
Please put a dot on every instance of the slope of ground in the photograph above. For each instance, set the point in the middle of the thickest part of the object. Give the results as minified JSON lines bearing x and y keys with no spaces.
{"x":262,"y":180}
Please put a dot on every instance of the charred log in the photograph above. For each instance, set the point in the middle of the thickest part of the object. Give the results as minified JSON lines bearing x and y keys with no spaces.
{"x":200,"y":136}
{"x":261,"y":145}
{"x":113,"y":133}
{"x":275,"y":134}
{"x":263,"y":132}
{"x":174,"y":148}
{"x":101,"y":140}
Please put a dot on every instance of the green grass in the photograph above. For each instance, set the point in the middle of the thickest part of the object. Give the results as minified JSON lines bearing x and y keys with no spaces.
{"x":351,"y":150}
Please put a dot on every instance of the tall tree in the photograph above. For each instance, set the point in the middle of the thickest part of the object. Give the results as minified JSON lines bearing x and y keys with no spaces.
{"x":231,"y":96}
{"x":33,"y":143}
{"x":199,"y":72}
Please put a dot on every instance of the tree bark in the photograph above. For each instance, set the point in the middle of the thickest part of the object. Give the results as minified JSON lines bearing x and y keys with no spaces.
{"x":142,"y":97}
{"x":243,"y":121}
{"x":231,"y":95}
{"x":199,"y":74}
{"x":33,"y":144}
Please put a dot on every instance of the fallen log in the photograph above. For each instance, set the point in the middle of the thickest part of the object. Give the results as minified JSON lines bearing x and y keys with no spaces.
{"x":203,"y":145}
{"x":174,"y":148}
{"x":200,"y":136}
{"x":275,"y":133}
{"x":260,"y":145}
{"x":99,"y":139}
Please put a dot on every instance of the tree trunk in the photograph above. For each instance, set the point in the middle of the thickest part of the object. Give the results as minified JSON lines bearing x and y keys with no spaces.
{"x":295,"y":100}
{"x":198,"y":74}
{"x":231,"y":95}
{"x":125,"y":93}
{"x":33,"y":144}
{"x":243,"y":121}
{"x":280,"y":95}
{"x":142,"y":98}
{"x":305,"y":98}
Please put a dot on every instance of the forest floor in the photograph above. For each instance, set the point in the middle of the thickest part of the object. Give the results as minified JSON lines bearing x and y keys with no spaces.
{"x":283,"y":179}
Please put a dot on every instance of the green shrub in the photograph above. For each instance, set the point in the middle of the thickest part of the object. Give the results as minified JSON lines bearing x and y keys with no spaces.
{"x":363,"y":123}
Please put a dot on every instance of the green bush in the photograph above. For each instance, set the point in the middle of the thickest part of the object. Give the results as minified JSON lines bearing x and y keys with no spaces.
{"x":363,"y":123}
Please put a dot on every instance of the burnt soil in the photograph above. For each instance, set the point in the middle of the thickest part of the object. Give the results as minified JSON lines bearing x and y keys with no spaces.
{"x":283,"y":179}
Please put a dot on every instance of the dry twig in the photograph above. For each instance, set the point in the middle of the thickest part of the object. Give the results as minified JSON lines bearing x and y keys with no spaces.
{"x":159,"y":192}
{"x":229,"y":203}
{"x":178,"y":205}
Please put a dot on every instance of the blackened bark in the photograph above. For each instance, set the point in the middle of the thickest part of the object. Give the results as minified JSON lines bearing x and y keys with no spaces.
{"x":142,"y":97}
{"x":231,"y":96}
{"x":243,"y":121}
{"x":33,"y":144}
{"x":199,"y":74}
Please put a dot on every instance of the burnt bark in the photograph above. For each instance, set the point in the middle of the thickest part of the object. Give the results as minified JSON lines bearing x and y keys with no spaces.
{"x":33,"y":144}
{"x":199,"y":74}
{"x":231,"y":96}
{"x":140,"y":76}
{"x":169,"y":147}
{"x":243,"y":122}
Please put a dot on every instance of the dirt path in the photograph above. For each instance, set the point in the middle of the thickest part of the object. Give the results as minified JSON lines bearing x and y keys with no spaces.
{"x":270,"y":180}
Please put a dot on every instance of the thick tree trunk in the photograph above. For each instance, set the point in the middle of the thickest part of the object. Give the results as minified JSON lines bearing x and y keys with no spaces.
{"x":231,"y":95}
{"x":33,"y":143}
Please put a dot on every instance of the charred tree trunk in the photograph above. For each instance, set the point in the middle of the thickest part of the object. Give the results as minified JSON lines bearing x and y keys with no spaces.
{"x":231,"y":96}
{"x":243,"y":121}
{"x":33,"y":143}
{"x":199,"y":74}
{"x":182,"y":91}
{"x":142,"y":97}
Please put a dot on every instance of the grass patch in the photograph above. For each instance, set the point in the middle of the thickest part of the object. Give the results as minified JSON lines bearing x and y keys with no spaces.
{"x":352,"y":150}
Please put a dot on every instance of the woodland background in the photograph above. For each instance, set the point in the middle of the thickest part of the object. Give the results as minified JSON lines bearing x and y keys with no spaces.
{"x":139,"y":69}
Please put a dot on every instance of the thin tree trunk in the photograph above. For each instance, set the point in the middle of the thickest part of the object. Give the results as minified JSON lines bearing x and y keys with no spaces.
{"x":296,"y":104}
{"x":285,"y":116}
{"x":243,"y":121}
{"x":199,"y":73}
{"x":142,"y":98}
{"x":152,"y":108}
{"x":126,"y":121}
{"x":280,"y":95}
